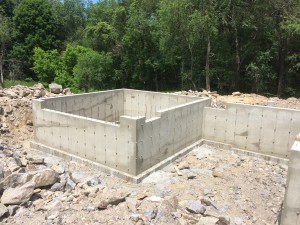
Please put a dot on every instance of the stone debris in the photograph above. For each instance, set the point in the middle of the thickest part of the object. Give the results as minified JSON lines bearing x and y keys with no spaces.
{"x":196,"y":207}
{"x":55,"y":88}
{"x":215,"y":185}
{"x":17,"y":195}
{"x":3,"y":210}
{"x":220,"y":101}
{"x":16,"y":112}
{"x":114,"y":200}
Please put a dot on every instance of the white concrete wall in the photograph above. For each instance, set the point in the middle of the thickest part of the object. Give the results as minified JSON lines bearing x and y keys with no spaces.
{"x":170,"y":131}
{"x":291,"y":205}
{"x":146,"y":103}
{"x":261,"y":129}
{"x":104,"y":105}
{"x":103,"y":142}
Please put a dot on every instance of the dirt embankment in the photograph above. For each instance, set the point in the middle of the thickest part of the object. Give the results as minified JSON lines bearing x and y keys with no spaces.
{"x":16,"y":112}
{"x":220,"y":101}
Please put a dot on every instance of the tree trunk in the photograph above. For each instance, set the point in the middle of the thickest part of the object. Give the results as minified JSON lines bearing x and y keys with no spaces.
{"x":156,"y":81}
{"x":1,"y":71}
{"x":207,"y":78}
{"x":192,"y":68}
{"x":281,"y":67}
{"x":236,"y":81}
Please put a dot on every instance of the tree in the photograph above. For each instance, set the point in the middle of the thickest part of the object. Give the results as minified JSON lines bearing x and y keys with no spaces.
{"x":72,"y":16}
{"x":203,"y":26}
{"x":35,"y":26}
{"x":46,"y":64}
{"x":94,"y":71}
{"x":5,"y":39}
{"x":141,"y":61}
{"x":8,"y":7}
{"x":64,"y":74}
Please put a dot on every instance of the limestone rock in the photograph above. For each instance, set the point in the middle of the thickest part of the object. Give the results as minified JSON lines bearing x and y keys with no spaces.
{"x":222,"y":221}
{"x":217,"y":174}
{"x":18,"y":195}
{"x":39,"y":93}
{"x":3,"y":210}
{"x":55,"y":88}
{"x":196,"y":207}
{"x":12,"y":209}
{"x":36,"y":160}
{"x":70,"y":184}
{"x":1,"y":172}
{"x":165,"y":211}
{"x":45,"y":177}
{"x":113,"y":200}
{"x":58,"y":169}
{"x":12,"y":164}
{"x":151,"y":214}
{"x":237,"y":93}
{"x":208,"y":220}
{"x":16,"y":179}
{"x":57,"y":187}
{"x":132,"y":204}
{"x":67,"y":91}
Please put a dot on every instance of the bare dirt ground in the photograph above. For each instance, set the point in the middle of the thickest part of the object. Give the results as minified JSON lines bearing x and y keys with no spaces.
{"x":252,"y":99}
{"x":207,"y":186}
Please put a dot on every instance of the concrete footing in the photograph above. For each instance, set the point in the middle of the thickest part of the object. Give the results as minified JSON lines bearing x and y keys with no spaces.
{"x":110,"y":171}
{"x":291,"y":205}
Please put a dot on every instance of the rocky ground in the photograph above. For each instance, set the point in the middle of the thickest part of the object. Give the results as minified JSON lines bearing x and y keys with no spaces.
{"x":220,"y":101}
{"x":207,"y":186}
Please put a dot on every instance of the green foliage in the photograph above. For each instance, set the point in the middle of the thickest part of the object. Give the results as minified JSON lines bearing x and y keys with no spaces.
{"x":35,"y":26}
{"x":7,"y":6}
{"x":261,"y":73}
{"x":154,"y":44}
{"x":93,"y":71}
{"x":46,"y":64}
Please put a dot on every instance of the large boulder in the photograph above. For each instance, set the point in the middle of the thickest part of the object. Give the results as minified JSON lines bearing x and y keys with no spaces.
{"x":18,"y":195}
{"x":55,"y":88}
{"x":15,"y":180}
{"x":45,"y":177}
{"x":40,"y":178}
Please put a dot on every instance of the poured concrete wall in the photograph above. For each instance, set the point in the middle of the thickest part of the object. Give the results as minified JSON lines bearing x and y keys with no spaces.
{"x":260,"y":129}
{"x":99,"y":141}
{"x":146,"y":103}
{"x":84,"y":126}
{"x":105,"y":105}
{"x":172,"y":130}
{"x":291,"y":205}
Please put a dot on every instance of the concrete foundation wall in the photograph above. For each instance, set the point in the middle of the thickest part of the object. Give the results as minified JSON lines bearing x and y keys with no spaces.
{"x":291,"y":205}
{"x":105,"y":105}
{"x":260,"y":129}
{"x":99,"y":141}
{"x":85,"y":126}
{"x":146,"y":103}
{"x":172,"y":130}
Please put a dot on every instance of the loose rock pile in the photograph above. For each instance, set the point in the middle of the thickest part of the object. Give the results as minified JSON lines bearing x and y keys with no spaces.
{"x":208,"y":186}
{"x":16,"y":113}
{"x":219,"y":101}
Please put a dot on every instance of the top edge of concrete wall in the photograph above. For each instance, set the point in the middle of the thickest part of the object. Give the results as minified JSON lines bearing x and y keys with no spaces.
{"x":125,"y":89}
{"x":90,"y":93}
{"x":229,"y":104}
{"x":182,"y":105}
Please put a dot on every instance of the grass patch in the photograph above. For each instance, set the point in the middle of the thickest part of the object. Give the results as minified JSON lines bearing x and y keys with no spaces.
{"x":25,"y":82}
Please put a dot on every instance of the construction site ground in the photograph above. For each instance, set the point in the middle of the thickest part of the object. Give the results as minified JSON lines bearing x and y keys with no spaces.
{"x":207,"y":186}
